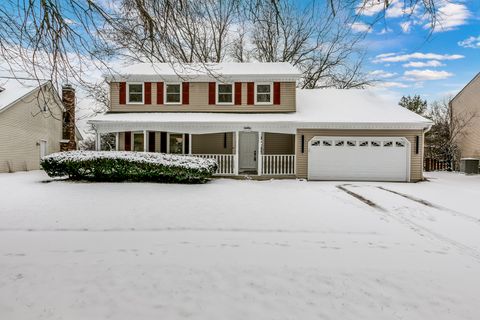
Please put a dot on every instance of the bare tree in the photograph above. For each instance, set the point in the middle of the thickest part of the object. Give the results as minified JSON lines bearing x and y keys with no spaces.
{"x":447,"y":129}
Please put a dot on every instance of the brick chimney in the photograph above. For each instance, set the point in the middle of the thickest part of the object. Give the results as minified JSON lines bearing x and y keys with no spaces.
{"x":68,"y":99}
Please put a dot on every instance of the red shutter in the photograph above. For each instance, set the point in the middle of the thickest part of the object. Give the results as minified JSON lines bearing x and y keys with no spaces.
{"x":123,"y":93}
{"x":151,"y":141}
{"x":276,"y":93}
{"x":128,"y":141}
{"x":185,"y":92}
{"x":250,"y":93}
{"x":211,"y":93}
{"x":159,"y":92}
{"x":147,"y":88}
{"x":238,"y":93}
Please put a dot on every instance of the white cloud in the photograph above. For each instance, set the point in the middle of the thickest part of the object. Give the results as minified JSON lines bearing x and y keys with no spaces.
{"x":398,"y":9}
{"x":422,"y":75}
{"x":382,"y":74}
{"x":361,"y":27}
{"x":391,"y":84}
{"x":421,"y":64}
{"x":449,"y":16}
{"x":470,"y":42}
{"x":406,"y":26}
{"x":370,"y":7}
{"x":391,"y":57}
{"x":385,"y":31}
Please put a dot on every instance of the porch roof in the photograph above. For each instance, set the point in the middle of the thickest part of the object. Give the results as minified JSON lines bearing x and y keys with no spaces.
{"x":316,"y":108}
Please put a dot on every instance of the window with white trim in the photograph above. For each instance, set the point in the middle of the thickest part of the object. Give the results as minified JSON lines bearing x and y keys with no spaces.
{"x":173,"y":93}
{"x":263,"y":93}
{"x":225,"y":93}
{"x":135,"y":93}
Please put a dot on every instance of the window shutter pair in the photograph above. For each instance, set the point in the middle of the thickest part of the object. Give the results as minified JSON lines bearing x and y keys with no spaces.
{"x":148,"y":93}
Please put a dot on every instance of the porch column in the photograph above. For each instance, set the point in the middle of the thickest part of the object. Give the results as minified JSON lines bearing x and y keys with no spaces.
{"x":259,"y":159}
{"x":190,"y":142}
{"x":145,"y":142}
{"x":236,"y":152}
{"x":117,"y":140}
{"x":98,"y":141}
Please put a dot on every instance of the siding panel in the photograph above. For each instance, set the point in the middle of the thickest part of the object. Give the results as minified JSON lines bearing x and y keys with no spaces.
{"x":22,"y":126}
{"x":199,"y":101}
{"x":212,"y":143}
{"x":465,"y":105}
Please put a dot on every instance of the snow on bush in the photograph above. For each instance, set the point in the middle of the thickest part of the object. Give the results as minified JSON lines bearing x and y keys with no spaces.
{"x":128,"y":166}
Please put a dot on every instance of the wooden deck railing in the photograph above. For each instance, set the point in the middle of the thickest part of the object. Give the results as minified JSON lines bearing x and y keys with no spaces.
{"x":226,"y":162}
{"x":281,"y":164}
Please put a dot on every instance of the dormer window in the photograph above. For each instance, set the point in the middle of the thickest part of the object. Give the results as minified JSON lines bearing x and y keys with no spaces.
{"x":225,"y":93}
{"x":135,"y":93}
{"x":173,"y":93}
{"x":263,"y":93}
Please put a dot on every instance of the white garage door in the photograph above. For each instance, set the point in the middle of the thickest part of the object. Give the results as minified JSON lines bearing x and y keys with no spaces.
{"x":359,"y":158}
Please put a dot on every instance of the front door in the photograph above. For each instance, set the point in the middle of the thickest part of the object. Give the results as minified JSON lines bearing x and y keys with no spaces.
{"x":248,"y":153}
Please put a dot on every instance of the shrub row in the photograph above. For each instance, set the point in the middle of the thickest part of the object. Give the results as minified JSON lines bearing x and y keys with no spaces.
{"x":116,"y":166}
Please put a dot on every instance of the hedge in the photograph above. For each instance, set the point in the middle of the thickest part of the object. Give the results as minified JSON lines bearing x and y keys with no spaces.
{"x":116,"y":166}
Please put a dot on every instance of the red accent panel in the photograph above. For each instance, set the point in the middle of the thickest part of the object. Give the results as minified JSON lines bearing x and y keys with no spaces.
{"x":123,"y":93}
{"x":238,"y":93}
{"x":159,"y":92}
{"x":211,"y":93}
{"x":147,"y":87}
{"x":276,"y":93}
{"x":185,"y":92}
{"x":250,"y":93}
{"x":128,"y":141}
{"x":151,"y":141}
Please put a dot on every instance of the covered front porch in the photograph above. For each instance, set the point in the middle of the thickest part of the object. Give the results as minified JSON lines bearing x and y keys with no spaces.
{"x":242,"y":152}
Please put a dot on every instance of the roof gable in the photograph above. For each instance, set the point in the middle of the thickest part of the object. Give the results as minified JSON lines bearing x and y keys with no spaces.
{"x":476,"y":78}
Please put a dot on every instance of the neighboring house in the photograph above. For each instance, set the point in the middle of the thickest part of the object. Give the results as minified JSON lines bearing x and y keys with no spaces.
{"x":252,"y":118}
{"x":466,"y":110}
{"x":32,"y":123}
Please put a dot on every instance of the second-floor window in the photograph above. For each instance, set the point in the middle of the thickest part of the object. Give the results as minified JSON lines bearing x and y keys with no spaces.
{"x":224,"y":93}
{"x":135,"y":92}
{"x":263,"y":93}
{"x":173,"y":93}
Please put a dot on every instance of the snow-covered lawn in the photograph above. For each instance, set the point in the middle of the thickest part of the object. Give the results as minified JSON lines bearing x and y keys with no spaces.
{"x":235,"y":249}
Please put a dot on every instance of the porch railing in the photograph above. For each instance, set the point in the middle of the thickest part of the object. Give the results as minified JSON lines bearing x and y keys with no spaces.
{"x":226,"y":162}
{"x":281,"y":164}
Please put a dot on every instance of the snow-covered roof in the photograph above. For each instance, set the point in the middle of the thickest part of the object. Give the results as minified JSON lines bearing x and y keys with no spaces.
{"x":316,"y":108}
{"x":271,"y":71}
{"x":15,"y":90}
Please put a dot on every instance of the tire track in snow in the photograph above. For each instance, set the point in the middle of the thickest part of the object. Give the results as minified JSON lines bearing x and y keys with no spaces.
{"x":419,"y":229}
{"x":432,"y":205}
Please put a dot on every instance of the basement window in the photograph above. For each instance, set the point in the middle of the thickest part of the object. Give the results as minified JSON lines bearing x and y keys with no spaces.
{"x":135,"y":93}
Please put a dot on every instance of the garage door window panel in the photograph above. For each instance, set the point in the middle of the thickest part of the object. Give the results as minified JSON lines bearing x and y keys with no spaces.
{"x":351,"y":143}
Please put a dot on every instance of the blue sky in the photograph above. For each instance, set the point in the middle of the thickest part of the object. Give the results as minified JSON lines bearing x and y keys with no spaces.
{"x":411,"y":59}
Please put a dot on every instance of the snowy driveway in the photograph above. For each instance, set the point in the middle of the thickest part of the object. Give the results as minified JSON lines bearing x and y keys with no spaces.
{"x":239,"y":249}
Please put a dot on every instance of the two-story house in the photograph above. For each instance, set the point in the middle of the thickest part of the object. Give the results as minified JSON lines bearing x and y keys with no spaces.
{"x":254,"y":121}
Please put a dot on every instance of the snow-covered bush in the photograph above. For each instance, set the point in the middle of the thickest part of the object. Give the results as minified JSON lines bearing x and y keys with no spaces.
{"x":128,"y":166}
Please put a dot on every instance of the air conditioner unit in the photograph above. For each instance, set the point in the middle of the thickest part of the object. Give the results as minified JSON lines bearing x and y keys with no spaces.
{"x":469,"y":165}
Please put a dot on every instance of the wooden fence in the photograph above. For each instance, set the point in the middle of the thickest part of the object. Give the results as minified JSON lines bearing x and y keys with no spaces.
{"x":431,"y":164}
